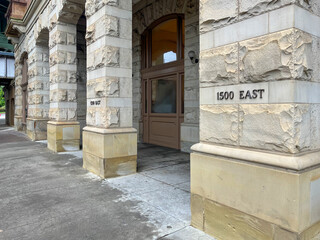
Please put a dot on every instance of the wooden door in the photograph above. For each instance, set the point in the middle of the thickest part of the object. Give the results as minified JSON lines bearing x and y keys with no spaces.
{"x":163,"y":82}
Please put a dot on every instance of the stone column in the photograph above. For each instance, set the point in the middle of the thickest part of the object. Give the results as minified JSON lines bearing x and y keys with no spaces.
{"x":38,"y":92}
{"x":63,"y":127}
{"x":18,"y":95}
{"x":109,"y":141}
{"x":255,"y":173}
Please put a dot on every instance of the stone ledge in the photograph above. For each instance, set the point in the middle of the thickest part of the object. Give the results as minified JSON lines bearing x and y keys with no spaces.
{"x":63,"y":123}
{"x":292,"y":162}
{"x":109,"y":130}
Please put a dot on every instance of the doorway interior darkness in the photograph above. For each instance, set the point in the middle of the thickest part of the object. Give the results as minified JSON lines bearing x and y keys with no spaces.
{"x":163,"y":81}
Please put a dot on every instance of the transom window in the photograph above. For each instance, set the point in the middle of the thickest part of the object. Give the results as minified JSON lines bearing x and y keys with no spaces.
{"x":164,"y":41}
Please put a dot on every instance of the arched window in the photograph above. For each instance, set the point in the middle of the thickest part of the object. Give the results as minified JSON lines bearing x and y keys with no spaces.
{"x":164,"y":41}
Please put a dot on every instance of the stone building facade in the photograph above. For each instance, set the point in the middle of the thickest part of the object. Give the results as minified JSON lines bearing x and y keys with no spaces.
{"x":244,"y":82}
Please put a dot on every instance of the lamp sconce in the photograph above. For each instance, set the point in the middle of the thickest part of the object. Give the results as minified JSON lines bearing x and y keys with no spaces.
{"x":193,"y":57}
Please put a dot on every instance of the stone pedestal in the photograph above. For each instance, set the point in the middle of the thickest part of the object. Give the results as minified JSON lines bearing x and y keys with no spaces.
{"x":18,"y":123}
{"x":110,"y":152}
{"x":37,"y":129}
{"x":63,"y":136}
{"x":243,"y":194}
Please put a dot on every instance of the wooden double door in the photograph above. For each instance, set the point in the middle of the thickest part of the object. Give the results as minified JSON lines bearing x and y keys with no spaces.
{"x":163,"y":105}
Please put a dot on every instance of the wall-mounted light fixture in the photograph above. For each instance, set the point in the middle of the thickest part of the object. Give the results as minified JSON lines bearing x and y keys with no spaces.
{"x":193,"y":57}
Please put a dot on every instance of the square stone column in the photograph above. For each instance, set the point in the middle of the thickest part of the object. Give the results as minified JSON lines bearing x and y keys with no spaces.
{"x":63,"y":128}
{"x":18,"y":94}
{"x":255,"y":173}
{"x":38,"y":92}
{"x":109,"y":141}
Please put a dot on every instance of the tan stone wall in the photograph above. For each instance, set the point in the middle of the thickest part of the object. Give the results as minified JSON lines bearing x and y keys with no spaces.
{"x":216,"y":14}
{"x":286,"y":127}
{"x":145,"y":13}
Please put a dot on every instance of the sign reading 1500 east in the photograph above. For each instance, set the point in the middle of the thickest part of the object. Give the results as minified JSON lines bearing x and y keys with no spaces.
{"x":240,"y":94}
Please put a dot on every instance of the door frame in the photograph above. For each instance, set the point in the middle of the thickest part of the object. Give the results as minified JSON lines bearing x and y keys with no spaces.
{"x":149,"y":73}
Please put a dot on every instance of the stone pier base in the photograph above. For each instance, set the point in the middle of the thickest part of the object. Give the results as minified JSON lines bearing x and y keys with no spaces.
{"x":110,"y":152}
{"x":236,"y":199}
{"x":37,"y":129}
{"x":18,"y":123}
{"x":63,"y":136}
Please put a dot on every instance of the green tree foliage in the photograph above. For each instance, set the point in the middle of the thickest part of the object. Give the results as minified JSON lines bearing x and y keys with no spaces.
{"x":2,"y":101}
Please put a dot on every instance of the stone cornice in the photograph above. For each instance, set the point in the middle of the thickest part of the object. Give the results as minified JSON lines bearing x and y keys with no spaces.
{"x":18,"y":28}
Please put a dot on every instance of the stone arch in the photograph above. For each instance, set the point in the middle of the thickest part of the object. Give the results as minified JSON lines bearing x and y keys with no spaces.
{"x":144,"y":15}
{"x":71,"y":11}
{"x":42,"y":36}
{"x":23,"y":55}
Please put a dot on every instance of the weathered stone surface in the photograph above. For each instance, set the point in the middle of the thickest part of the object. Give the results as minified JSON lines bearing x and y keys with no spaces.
{"x":107,"y":56}
{"x":216,"y":13}
{"x":276,"y":127}
{"x":103,"y":117}
{"x":110,"y":155}
{"x":103,"y":87}
{"x":285,"y":55}
{"x":219,"y":66}
{"x":249,"y":8}
{"x":197,"y":211}
{"x":93,"y":6}
{"x":315,"y":126}
{"x":63,"y":137}
{"x":219,"y":124}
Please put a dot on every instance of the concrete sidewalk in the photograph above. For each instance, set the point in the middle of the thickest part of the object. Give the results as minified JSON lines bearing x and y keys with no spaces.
{"x":50,"y":196}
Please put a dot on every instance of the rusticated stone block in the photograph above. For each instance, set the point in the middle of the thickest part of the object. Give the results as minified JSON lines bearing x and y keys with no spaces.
{"x":58,"y":57}
{"x":103,"y":87}
{"x":108,"y":56}
{"x":93,"y":6}
{"x":289,"y":54}
{"x":72,"y":95}
{"x":58,"y":114}
{"x":103,"y":117}
{"x":90,"y":34}
{"x":315,"y":126}
{"x":215,"y":13}
{"x":219,"y":124}
{"x":109,"y":26}
{"x":249,"y":8}
{"x":219,"y":66}
{"x":275,"y":127}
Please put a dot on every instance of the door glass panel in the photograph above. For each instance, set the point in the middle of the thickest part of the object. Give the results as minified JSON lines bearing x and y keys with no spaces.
{"x":164,"y":96}
{"x":164,"y":42}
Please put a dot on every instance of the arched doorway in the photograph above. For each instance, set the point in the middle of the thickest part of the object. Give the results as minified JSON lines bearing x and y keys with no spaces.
{"x":163,"y":81}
